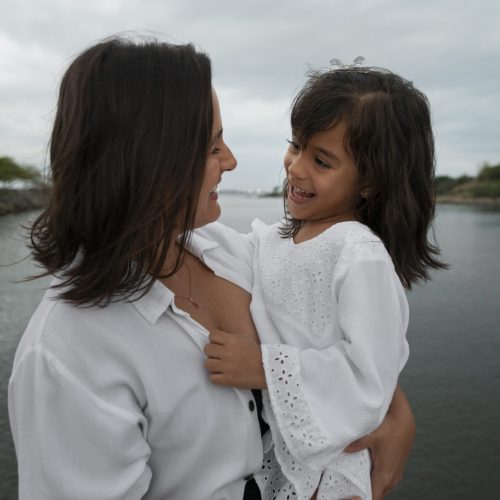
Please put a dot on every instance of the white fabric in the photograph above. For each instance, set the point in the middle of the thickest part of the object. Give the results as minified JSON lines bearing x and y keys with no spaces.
{"x":115,"y":403}
{"x":332,"y":316}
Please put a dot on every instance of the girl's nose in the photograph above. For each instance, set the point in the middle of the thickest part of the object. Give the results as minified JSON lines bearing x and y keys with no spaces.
{"x":296,"y":168}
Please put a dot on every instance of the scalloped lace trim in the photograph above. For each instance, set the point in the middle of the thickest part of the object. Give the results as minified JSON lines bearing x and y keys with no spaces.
{"x":344,"y":474}
{"x":291,"y":414}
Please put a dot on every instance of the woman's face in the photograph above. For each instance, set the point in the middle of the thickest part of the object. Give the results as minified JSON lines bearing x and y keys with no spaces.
{"x":219,"y":159}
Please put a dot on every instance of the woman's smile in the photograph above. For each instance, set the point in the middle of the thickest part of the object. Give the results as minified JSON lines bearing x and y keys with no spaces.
{"x":214,"y":195}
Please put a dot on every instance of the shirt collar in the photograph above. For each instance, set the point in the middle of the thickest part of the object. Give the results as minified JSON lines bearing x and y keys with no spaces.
{"x":154,"y":303}
{"x":159,"y":298}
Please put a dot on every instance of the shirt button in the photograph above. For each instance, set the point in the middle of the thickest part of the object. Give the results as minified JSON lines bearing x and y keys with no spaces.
{"x":251,"y":405}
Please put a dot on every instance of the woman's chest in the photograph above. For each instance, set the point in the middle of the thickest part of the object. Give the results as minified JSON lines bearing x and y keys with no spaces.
{"x":222,"y":305}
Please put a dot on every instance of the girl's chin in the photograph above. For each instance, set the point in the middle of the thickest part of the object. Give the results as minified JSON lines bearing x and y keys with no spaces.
{"x":294,"y":213}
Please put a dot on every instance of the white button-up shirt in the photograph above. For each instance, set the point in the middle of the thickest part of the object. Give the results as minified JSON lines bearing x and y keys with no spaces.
{"x":115,"y":403}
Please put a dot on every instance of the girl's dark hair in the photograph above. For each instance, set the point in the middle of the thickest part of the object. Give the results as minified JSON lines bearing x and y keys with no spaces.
{"x":127,"y":160}
{"x":389,"y":135}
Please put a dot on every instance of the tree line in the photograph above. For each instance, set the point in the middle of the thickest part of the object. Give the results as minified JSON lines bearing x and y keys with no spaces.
{"x":10,"y":172}
{"x":485,"y":185}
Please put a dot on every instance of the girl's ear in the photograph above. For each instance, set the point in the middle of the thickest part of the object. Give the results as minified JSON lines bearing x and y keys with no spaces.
{"x":365,"y":192}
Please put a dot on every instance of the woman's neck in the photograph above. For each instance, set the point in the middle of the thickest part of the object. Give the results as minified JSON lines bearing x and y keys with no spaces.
{"x":172,"y":258}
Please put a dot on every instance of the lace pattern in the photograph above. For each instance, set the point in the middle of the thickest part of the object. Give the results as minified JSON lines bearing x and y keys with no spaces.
{"x":282,"y":368}
{"x":297,"y":281}
{"x":306,"y":279}
{"x":347,"y":477}
{"x":303,"y":436}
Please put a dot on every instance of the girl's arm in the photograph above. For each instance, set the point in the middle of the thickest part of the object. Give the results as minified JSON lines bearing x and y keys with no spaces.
{"x":390,"y":445}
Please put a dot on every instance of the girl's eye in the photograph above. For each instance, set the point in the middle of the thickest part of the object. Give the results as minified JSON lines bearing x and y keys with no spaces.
{"x":293,"y":146}
{"x":321,"y":163}
{"x":215,"y":151}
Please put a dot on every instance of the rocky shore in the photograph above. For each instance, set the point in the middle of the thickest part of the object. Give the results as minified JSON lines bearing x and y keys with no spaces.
{"x":463,"y":200}
{"x":19,"y":200}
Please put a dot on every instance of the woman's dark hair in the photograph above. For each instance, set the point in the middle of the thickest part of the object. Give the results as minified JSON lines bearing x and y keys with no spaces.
{"x":389,"y":135}
{"x":127,"y":160}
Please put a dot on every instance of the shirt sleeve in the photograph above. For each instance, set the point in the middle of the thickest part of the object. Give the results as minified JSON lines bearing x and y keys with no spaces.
{"x":69,"y":442}
{"x":324,"y":399}
{"x":228,"y":253}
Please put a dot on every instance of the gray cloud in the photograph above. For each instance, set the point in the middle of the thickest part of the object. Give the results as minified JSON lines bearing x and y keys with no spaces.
{"x":261,"y":51}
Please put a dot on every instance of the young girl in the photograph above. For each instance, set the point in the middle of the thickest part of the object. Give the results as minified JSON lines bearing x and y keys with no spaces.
{"x":328,"y":291}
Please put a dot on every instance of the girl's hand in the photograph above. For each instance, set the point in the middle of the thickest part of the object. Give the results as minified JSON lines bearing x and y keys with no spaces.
{"x":234,"y":360}
{"x":390,"y":445}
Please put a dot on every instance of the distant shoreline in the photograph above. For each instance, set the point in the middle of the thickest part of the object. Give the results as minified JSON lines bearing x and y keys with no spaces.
{"x":20,"y":200}
{"x":444,"y":199}
{"x":462,"y":200}
{"x":13,"y":201}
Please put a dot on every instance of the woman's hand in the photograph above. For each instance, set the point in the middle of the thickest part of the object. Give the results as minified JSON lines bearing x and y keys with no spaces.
{"x":234,"y":360}
{"x":390,"y":445}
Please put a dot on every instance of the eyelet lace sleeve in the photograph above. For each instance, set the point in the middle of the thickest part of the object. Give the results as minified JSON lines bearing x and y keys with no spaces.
{"x":303,"y":436}
{"x":288,"y":471}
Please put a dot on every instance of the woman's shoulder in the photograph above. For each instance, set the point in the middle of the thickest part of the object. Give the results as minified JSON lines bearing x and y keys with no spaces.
{"x":89,"y":346}
{"x":72,"y":332}
{"x":35,"y":330}
{"x":54,"y":323}
{"x":49,"y":335}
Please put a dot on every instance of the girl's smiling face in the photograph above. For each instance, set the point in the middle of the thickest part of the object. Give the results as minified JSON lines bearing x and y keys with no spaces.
{"x":322,"y":178}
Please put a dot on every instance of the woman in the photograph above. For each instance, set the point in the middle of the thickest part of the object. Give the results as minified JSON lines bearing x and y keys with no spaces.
{"x":109,"y":397}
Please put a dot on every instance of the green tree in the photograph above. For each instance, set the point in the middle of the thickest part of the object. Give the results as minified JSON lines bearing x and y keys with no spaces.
{"x":489,"y":173}
{"x":444,"y":184}
{"x":10,"y":171}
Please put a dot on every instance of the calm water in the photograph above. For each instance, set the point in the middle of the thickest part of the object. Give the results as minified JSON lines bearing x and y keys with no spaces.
{"x":452,"y":378}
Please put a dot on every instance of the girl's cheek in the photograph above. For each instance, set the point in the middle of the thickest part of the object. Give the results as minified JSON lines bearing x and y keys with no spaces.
{"x":287,"y":161}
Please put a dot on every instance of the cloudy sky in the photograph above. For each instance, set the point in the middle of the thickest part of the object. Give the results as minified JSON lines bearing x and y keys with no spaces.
{"x":261,"y":50}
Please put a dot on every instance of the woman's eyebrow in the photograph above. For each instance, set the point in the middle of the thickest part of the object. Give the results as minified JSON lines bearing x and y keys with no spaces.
{"x":216,"y":137}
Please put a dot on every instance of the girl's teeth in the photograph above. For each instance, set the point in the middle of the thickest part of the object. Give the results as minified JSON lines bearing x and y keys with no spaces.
{"x":302,"y":193}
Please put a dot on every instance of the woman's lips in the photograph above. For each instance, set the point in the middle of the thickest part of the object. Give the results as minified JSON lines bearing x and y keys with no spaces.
{"x":214,"y":195}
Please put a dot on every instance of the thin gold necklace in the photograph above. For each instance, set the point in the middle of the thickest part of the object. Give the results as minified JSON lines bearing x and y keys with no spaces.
{"x":190,"y":298}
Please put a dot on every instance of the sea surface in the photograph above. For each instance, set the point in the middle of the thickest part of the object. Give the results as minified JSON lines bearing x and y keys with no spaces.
{"x":452,"y":378}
